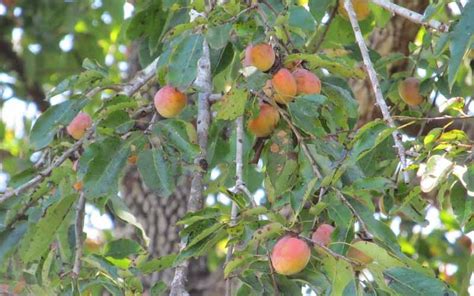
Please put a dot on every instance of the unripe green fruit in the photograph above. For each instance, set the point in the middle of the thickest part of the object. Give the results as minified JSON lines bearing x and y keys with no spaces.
{"x":169,"y":101}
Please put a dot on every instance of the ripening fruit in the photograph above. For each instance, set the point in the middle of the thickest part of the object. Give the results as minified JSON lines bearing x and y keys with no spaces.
{"x":306,"y":82}
{"x":290,"y":255}
{"x":78,"y":126}
{"x":78,"y":186}
{"x":409,"y":91}
{"x":322,"y":235}
{"x":465,"y":241}
{"x":266,"y":121}
{"x":284,"y":85}
{"x":357,"y":255}
{"x":261,"y":56}
{"x":169,"y":101}
{"x":361,"y":8}
{"x":132,"y":159}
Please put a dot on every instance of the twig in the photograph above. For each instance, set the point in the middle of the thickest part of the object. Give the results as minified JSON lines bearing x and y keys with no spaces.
{"x":78,"y":227}
{"x":326,"y":29}
{"x":46,"y":172}
{"x":305,"y":148}
{"x":204,"y":84}
{"x":446,"y":117}
{"x":272,"y":274}
{"x":135,"y":84}
{"x":411,"y":15}
{"x":354,"y":212}
{"x":376,"y":87}
{"x":239,"y":183}
{"x":329,"y":251}
{"x":150,"y":125}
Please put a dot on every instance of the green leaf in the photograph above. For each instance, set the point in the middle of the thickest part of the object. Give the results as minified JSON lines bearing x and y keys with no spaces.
{"x":48,"y":123}
{"x":204,"y":214}
{"x":122,"y":248}
{"x":158,"y":289}
{"x":218,"y":36}
{"x":409,"y":282}
{"x":281,"y":164}
{"x":305,"y":110}
{"x":318,"y":8}
{"x":379,"y":229}
{"x":236,"y":262}
{"x":183,"y":61}
{"x":9,"y":241}
{"x":181,"y":135}
{"x":158,"y":264}
{"x":437,"y":167}
{"x":301,"y":18}
{"x":333,"y":65}
{"x":120,"y":210}
{"x":40,"y":235}
{"x":231,"y":105}
{"x":339,"y":272}
{"x":156,"y":171}
{"x":105,"y":166}
{"x":461,"y":38}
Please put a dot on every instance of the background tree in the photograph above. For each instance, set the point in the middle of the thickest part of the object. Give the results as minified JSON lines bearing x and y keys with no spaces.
{"x":329,"y":161}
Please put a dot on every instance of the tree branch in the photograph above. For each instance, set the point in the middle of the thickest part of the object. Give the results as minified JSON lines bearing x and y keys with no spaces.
{"x":439,"y":118}
{"x":376,"y":87}
{"x":135,"y":84}
{"x":204,"y":85}
{"x":411,"y":15}
{"x":78,"y":227}
{"x":239,"y":183}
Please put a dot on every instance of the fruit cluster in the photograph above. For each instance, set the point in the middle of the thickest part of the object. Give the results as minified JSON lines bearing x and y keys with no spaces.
{"x":284,"y":86}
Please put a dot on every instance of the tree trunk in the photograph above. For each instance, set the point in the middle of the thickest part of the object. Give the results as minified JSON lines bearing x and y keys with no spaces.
{"x":159,"y":215}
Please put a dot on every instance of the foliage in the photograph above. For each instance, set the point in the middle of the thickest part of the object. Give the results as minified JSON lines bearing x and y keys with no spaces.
{"x":360,"y":191}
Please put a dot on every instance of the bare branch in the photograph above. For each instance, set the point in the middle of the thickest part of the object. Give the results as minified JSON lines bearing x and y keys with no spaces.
{"x":239,"y":183}
{"x":78,"y":227}
{"x":204,"y":85}
{"x":411,"y":15}
{"x":376,"y":87}
{"x":354,"y":212}
{"x":439,"y":118}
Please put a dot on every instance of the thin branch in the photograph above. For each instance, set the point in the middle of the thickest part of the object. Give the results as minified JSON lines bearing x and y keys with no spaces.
{"x":411,"y":15}
{"x":135,"y":84}
{"x":397,"y":137}
{"x":439,"y":118}
{"x":326,"y":29}
{"x":354,"y":212}
{"x":239,"y":183}
{"x":329,"y":251}
{"x":78,"y":227}
{"x":305,"y":148}
{"x":272,"y":274}
{"x":204,"y":84}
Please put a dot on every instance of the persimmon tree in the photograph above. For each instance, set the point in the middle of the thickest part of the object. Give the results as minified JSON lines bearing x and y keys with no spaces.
{"x":258,"y":93}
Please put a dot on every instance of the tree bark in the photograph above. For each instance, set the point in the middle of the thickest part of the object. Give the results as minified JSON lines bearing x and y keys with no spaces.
{"x":159,"y":216}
